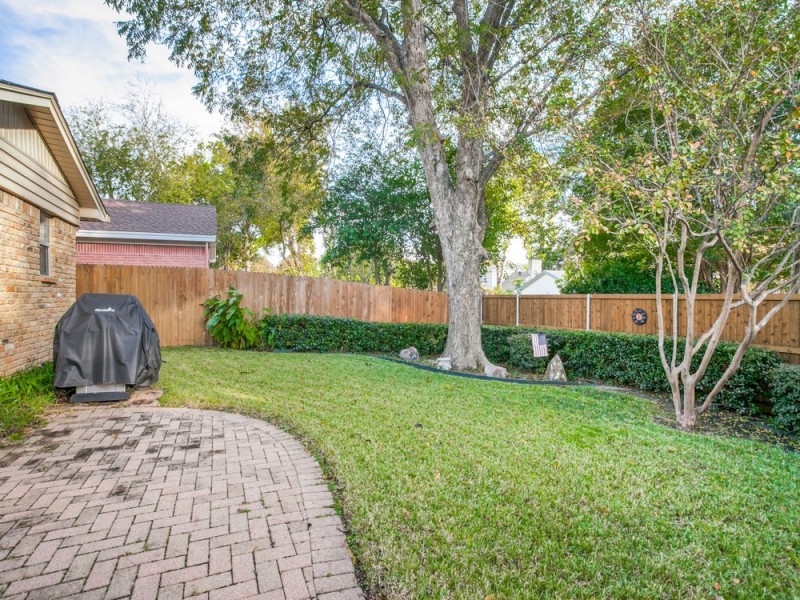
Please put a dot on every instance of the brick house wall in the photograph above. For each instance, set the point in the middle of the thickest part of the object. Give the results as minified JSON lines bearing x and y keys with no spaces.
{"x":31,"y":304}
{"x":149,"y":255}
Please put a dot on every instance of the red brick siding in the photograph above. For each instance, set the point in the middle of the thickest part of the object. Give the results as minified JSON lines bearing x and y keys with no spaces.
{"x":152,"y":255}
{"x":30,"y":304}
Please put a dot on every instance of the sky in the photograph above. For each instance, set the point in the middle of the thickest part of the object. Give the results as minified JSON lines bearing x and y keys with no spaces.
{"x":71,"y":47}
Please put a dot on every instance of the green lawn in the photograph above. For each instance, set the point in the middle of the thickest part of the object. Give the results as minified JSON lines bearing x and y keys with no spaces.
{"x":456,"y":488}
{"x":24,"y":397}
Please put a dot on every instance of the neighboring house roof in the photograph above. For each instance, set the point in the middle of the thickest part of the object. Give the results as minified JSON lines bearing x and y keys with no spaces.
{"x":151,"y":221}
{"x":557,"y":275}
{"x":44,"y":111}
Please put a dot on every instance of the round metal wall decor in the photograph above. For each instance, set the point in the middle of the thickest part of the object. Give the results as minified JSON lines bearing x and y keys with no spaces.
{"x":639,"y":316}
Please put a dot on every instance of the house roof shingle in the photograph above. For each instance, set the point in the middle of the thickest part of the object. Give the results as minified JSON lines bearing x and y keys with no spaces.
{"x":146,"y":217}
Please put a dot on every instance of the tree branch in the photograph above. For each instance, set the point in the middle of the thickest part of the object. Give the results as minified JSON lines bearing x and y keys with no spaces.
{"x":381,"y":33}
{"x":383,"y":90}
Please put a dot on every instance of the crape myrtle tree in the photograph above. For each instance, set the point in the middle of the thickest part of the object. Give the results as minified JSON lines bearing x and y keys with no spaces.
{"x":716,"y":171}
{"x":477,"y":77}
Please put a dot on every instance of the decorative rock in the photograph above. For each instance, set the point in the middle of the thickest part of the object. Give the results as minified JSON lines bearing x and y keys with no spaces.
{"x":445,"y":363}
{"x":409,"y":353}
{"x":555,"y":370}
{"x":495,"y":371}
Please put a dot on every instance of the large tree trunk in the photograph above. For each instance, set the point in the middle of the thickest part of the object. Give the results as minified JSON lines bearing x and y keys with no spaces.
{"x":457,"y":201}
{"x":439,"y":269}
{"x":463,"y":254}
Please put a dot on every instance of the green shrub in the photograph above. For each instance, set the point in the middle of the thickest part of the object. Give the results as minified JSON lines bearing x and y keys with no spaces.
{"x":495,"y":342}
{"x":785,"y":395}
{"x":229,"y":323}
{"x":23,"y":397}
{"x":306,"y":333}
{"x":633,"y":360}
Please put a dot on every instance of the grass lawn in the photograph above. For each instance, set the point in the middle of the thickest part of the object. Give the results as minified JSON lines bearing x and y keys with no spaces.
{"x":456,"y":488}
{"x":24,"y":397}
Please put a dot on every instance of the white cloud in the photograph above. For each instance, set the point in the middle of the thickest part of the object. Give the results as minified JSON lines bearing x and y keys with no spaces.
{"x":71,"y":47}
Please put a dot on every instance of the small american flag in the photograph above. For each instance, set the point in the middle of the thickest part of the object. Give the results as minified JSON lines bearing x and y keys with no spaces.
{"x":539,"y":342}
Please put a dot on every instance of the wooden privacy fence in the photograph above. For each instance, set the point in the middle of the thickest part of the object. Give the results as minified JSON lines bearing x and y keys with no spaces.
{"x":173,"y":297}
{"x":613,"y":312}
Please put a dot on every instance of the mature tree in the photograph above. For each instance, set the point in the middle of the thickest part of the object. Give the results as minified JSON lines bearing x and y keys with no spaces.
{"x":478,"y":77}
{"x":715,"y":171}
{"x":133,"y":148}
{"x":616,"y":262}
{"x":265,"y":191}
{"x":278,"y":188}
{"x":379,"y":212}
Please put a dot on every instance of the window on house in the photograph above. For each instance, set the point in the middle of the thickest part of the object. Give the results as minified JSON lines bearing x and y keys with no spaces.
{"x":44,"y":244}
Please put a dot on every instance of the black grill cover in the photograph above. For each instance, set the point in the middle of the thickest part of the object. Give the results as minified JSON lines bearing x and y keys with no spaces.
{"x":103,"y":339}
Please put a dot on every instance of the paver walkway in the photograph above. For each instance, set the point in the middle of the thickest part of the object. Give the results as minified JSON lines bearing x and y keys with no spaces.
{"x":149,"y":503}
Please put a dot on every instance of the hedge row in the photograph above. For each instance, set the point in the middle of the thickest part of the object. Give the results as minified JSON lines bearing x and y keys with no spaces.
{"x":625,"y":359}
{"x":633,"y":360}
{"x":785,"y":388}
{"x":305,"y":333}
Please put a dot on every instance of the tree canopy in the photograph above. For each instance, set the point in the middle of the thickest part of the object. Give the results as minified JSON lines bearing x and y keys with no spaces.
{"x":264,"y":186}
{"x":133,"y":148}
{"x":378,"y":212}
{"x":476,"y":77}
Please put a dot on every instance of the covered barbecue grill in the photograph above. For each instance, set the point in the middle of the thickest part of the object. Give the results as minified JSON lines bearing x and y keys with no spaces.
{"x":103,"y":343}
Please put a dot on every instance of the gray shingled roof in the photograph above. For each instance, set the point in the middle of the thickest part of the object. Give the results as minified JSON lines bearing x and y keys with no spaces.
{"x":146,"y":217}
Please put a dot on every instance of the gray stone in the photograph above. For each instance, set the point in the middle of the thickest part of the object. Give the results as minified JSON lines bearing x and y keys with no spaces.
{"x":495,"y":371}
{"x":555,"y":370}
{"x":410,"y":353}
{"x":445,"y":363}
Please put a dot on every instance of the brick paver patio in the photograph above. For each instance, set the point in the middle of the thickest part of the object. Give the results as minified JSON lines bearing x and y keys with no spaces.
{"x":148,"y":503}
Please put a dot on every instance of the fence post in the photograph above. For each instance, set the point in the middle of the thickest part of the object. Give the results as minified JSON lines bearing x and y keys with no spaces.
{"x":517,"y":308}
{"x":588,"y":312}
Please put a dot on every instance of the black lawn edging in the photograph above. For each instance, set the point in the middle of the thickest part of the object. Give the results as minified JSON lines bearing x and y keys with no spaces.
{"x":400,"y":361}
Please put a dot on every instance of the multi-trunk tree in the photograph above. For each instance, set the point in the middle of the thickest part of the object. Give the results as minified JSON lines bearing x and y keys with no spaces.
{"x":714,"y":174}
{"x":476,"y":78}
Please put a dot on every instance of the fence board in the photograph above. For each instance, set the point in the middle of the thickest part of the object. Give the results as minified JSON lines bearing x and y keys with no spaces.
{"x":173,"y":297}
{"x":612,"y":312}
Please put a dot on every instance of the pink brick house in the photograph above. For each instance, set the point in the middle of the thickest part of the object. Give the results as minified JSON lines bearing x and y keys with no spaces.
{"x":45,"y":193}
{"x":147,"y":234}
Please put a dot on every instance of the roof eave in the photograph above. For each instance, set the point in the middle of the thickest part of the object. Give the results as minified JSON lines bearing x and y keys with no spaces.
{"x":100,"y":234}
{"x":91,"y":207}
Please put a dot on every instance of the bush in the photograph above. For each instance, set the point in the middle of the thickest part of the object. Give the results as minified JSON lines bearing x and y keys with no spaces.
{"x":785,"y":395}
{"x":306,"y":333}
{"x":633,"y":360}
{"x":23,"y":397}
{"x":229,"y":323}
